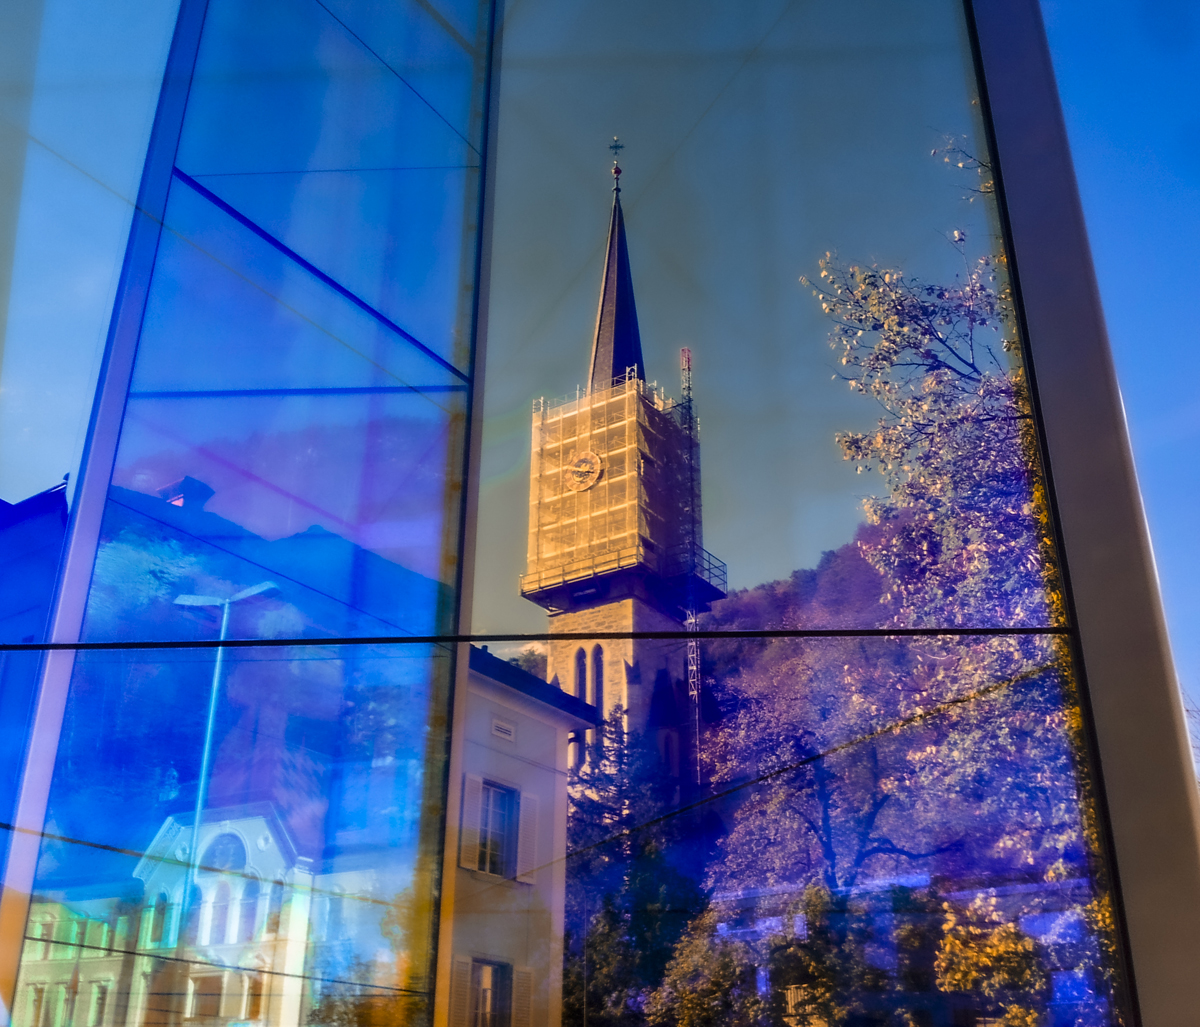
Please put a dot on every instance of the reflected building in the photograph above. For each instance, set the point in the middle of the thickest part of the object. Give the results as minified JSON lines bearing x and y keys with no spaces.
{"x":256,"y":933}
{"x":501,"y":931}
{"x":615,"y":532}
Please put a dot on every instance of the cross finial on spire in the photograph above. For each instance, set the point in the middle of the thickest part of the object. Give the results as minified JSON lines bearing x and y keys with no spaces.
{"x":616,"y":146}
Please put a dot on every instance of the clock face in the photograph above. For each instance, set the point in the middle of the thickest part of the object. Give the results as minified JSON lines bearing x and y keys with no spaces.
{"x":583,"y":471}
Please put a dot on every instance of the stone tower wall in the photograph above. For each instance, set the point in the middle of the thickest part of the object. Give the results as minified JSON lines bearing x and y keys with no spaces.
{"x":631,"y":666}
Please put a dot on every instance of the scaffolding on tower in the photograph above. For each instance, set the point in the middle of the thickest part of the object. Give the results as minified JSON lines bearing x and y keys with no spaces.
{"x":687,"y":420}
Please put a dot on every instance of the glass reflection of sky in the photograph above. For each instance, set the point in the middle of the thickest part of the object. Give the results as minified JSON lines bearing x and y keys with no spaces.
{"x":757,"y":140}
{"x":296,"y":417}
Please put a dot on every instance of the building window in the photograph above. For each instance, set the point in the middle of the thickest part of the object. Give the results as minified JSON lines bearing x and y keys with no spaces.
{"x":254,"y":996}
{"x":598,"y":678}
{"x":249,"y":918}
{"x":65,"y":995}
{"x":36,"y":949}
{"x":206,"y":996}
{"x":99,"y":1004}
{"x":226,"y":852}
{"x":66,"y":934}
{"x":596,"y":737}
{"x":37,"y":1004}
{"x":497,"y":829}
{"x":274,"y":909}
{"x":491,"y":994}
{"x":191,"y":927}
{"x":218,"y":924}
{"x":158,"y":920}
{"x":580,"y":674}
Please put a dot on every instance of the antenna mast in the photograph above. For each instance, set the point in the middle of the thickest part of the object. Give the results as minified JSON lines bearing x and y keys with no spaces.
{"x":687,"y":420}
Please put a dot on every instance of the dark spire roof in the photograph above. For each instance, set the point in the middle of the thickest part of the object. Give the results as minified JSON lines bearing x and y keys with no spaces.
{"x":618,"y":344}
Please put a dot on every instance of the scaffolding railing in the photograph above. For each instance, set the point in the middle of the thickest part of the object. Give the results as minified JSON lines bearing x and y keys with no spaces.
{"x":700,"y":563}
{"x":570,"y":403}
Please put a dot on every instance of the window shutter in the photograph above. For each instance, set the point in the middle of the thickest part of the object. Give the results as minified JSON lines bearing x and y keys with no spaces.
{"x":522,"y":1010}
{"x":527,"y":839}
{"x":472,"y":810}
{"x":460,"y":993}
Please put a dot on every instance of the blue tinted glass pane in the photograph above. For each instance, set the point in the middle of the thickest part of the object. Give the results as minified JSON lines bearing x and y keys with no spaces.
{"x":763,"y":373}
{"x":315,"y":801}
{"x":886,"y":421}
{"x":254,"y":834}
{"x":349,"y":132}
{"x":275,"y":430}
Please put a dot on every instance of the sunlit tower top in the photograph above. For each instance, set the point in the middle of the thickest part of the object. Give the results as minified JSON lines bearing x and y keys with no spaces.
{"x":615,"y":539}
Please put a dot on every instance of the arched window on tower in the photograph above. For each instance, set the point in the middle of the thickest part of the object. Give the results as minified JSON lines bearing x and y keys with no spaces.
{"x":598,"y":678}
{"x":581,"y":675}
{"x":597,"y":696}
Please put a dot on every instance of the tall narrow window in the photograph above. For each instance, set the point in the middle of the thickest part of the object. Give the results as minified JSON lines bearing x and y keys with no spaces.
{"x":497,"y":828}
{"x":64,"y":1005}
{"x":218,"y":924}
{"x":335,"y":924}
{"x":99,"y":1004}
{"x":254,"y":995}
{"x":191,"y":927}
{"x":37,"y":949}
{"x":598,"y":678}
{"x":37,"y":1004}
{"x":158,"y":920}
{"x":249,"y":914}
{"x":274,"y":909}
{"x":491,"y":994}
{"x":581,"y":674}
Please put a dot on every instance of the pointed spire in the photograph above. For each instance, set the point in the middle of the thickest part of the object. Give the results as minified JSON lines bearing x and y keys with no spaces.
{"x":618,"y":344}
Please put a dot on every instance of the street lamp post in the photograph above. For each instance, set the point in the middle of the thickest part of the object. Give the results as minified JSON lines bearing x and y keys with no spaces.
{"x":213,"y":691}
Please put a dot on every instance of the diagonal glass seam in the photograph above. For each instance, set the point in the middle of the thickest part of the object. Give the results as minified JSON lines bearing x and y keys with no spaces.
{"x":408,"y":85}
{"x":350,"y":390}
{"x":572,"y":636}
{"x":447,"y":27}
{"x":315,"y":271}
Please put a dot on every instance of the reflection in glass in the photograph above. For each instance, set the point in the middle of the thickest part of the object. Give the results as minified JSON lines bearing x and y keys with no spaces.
{"x":259,"y":828}
{"x":690,"y":830}
{"x":886,"y":828}
{"x":804,"y":832}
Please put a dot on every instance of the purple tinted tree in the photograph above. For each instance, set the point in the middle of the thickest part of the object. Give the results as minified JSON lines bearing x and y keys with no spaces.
{"x":942,"y":768}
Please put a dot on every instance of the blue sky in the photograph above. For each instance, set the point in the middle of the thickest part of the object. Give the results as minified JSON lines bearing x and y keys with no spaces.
{"x":1129,"y":76}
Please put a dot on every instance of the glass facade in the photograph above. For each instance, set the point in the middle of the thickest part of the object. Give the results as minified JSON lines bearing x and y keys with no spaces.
{"x":779,"y":719}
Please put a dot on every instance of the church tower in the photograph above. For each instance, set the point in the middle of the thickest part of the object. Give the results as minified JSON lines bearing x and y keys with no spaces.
{"x":615,"y":541}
